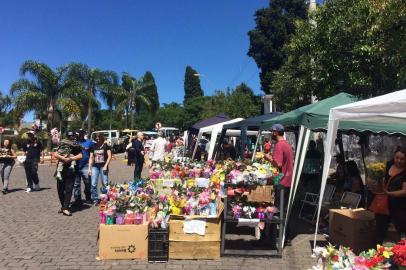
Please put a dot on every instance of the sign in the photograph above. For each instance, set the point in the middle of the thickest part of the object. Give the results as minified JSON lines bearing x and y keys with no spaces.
{"x":1,"y":130}
{"x":158,"y":125}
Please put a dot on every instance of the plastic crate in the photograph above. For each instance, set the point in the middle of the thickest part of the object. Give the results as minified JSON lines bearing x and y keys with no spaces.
{"x":158,"y":245}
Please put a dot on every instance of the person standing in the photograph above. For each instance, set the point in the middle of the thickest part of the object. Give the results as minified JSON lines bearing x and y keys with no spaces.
{"x":158,"y":148}
{"x":32,"y":151}
{"x":282,"y":158}
{"x":65,"y":185}
{"x":99,"y":160}
{"x":395,"y":190}
{"x":7,"y":161}
{"x":139,"y":155}
{"x":83,"y":169}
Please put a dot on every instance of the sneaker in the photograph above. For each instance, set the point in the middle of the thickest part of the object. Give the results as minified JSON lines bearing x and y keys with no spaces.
{"x":36,"y":187}
{"x":28,"y":190}
{"x":4,"y":191}
{"x":66,"y":212}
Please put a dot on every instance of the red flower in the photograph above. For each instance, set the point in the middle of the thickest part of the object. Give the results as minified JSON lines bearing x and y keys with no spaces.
{"x":335,"y":258}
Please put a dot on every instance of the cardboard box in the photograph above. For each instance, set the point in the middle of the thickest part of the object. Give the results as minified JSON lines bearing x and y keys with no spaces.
{"x":194,"y":246}
{"x":261,"y":194}
{"x":123,"y":242}
{"x":352,"y":228}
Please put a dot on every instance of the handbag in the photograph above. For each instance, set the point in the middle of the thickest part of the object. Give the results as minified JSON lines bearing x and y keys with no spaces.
{"x":380,"y":204}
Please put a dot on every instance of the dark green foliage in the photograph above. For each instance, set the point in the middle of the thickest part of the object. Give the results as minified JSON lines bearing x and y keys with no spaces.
{"x":151,"y":91}
{"x":274,"y":27}
{"x":192,"y":84}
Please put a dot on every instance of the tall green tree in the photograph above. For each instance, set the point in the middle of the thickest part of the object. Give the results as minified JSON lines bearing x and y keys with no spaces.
{"x":7,"y":114}
{"x":131,"y":96}
{"x":94,"y":81}
{"x":353,"y":46}
{"x":172,"y":114}
{"x":47,"y":91}
{"x":192,"y":84}
{"x":151,"y":91}
{"x":274,"y":27}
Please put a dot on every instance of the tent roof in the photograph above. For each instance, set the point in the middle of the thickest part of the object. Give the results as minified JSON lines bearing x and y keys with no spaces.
{"x":218,"y":126}
{"x":313,"y":116}
{"x":252,"y":122}
{"x":221,"y":117}
{"x":386,"y":113}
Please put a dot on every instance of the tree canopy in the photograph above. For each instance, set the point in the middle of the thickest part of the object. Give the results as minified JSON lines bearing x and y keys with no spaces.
{"x":353,"y":46}
{"x":274,"y":27}
{"x":192,"y":84}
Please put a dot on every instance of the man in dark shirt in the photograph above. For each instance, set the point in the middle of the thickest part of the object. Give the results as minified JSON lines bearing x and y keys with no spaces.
{"x":139,"y":155}
{"x":32,"y":151}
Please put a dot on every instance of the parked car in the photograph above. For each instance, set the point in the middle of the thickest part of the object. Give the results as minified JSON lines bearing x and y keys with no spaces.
{"x":169,"y":132}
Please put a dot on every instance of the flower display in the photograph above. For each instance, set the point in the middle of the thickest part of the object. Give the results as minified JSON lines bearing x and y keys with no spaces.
{"x":331,"y":258}
{"x":399,"y":254}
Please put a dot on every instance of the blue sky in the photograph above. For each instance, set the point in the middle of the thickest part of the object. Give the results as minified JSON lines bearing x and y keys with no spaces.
{"x":134,"y":36}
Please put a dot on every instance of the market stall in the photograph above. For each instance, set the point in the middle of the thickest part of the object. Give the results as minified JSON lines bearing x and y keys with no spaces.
{"x":249,"y":124}
{"x":383,"y":114}
{"x":176,"y":213}
{"x":214,"y":131}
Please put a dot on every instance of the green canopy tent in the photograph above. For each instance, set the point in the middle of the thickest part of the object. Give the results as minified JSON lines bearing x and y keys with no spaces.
{"x":309,"y":117}
{"x":314,"y":117}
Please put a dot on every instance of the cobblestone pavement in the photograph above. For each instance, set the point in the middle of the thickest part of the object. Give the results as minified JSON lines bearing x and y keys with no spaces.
{"x":34,"y":236}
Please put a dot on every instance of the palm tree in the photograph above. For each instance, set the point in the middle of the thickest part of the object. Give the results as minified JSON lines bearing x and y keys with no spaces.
{"x":131,"y":95}
{"x":94,"y":80}
{"x":45,"y":93}
{"x":111,"y":97}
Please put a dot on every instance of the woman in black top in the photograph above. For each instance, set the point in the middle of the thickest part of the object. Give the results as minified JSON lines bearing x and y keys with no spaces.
{"x":395,"y":188}
{"x":7,"y":160}
{"x":99,"y":160}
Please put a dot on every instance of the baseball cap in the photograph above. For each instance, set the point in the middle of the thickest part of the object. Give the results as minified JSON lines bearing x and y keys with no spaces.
{"x":70,"y":133}
{"x":277,"y":127}
{"x":81,"y":131}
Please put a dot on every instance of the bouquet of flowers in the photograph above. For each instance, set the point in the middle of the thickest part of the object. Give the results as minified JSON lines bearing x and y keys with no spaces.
{"x":330,"y":258}
{"x":376,"y":172}
{"x":399,"y":254}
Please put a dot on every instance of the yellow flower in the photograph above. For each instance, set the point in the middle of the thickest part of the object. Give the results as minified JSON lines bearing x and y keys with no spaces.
{"x":386,"y":254}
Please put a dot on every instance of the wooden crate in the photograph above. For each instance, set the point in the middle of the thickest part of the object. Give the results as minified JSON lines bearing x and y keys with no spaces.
{"x":194,"y":246}
{"x":261,"y":194}
{"x":187,"y":250}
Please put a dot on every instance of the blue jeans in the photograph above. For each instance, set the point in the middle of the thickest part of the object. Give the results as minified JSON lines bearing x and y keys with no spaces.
{"x":82,"y":174}
{"x":96,"y":171}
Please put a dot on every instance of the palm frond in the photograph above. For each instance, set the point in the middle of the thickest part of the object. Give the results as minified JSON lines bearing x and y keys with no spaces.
{"x":23,"y":85}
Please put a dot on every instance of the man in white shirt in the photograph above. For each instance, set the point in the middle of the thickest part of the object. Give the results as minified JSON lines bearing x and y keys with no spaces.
{"x":158,"y":148}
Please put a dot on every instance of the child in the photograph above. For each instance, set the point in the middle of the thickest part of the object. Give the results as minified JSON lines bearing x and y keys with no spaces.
{"x":65,"y":148}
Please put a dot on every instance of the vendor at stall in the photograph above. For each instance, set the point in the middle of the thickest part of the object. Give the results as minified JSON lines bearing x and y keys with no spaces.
{"x":395,"y":189}
{"x":282,"y":157}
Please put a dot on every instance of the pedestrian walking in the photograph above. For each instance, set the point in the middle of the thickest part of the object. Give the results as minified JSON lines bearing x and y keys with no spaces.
{"x":7,"y":161}
{"x":158,"y":148}
{"x":32,"y":151}
{"x":83,"y":169}
{"x":139,"y":155}
{"x":68,"y":173}
{"x":99,"y":160}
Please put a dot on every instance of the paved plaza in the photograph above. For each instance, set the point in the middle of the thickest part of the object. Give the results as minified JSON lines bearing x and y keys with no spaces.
{"x":34,"y":236}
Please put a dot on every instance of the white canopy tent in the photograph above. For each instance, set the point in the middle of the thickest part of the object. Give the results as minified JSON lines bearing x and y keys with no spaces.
{"x":388,"y":110}
{"x":214,"y":130}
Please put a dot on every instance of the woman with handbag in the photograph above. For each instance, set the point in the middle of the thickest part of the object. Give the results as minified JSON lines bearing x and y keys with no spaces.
{"x":390,"y":205}
{"x":7,"y":161}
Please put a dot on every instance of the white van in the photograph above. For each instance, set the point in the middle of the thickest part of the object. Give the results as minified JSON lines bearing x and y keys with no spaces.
{"x":168,"y":132}
{"x":111,"y":135}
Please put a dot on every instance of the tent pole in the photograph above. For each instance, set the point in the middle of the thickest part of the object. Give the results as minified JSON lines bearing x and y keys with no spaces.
{"x":256,"y":144}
